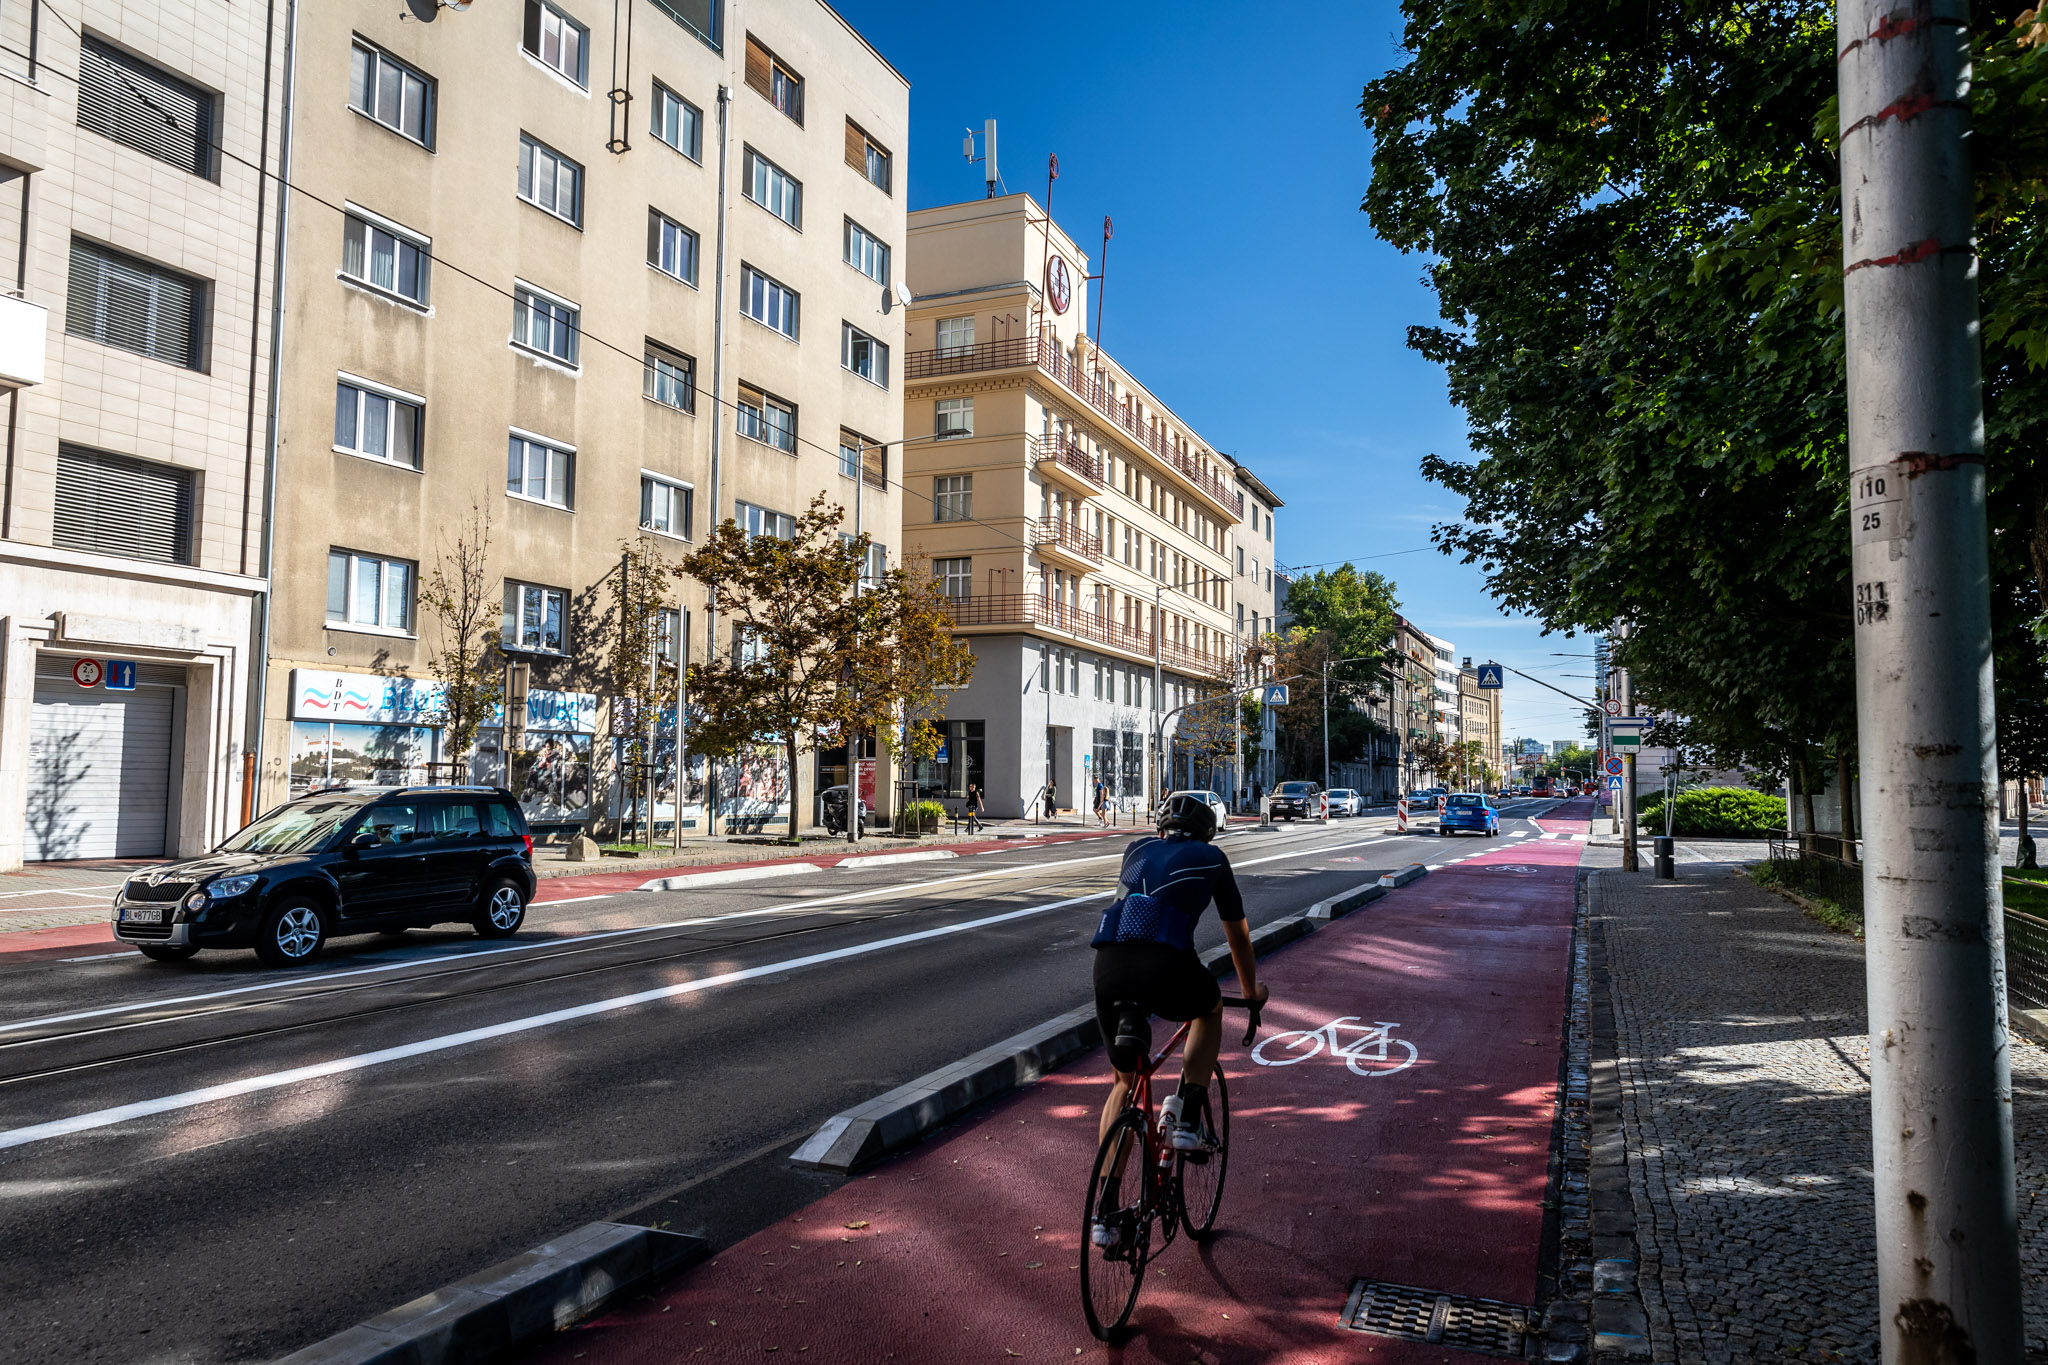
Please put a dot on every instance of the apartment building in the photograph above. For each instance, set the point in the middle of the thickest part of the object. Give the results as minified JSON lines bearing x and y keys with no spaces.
{"x":137,"y":217}
{"x":1257,"y":591}
{"x":1083,"y":531}
{"x":601,"y":275}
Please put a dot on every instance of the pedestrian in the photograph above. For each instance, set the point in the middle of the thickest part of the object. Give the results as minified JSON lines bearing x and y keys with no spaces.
{"x":1258,"y":792}
{"x":973,"y":808}
{"x":1052,"y":800}
{"x":1244,"y":798}
{"x":1101,"y":803}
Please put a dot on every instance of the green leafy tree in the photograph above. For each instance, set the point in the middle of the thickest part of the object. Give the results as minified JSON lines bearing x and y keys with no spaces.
{"x":464,"y":600}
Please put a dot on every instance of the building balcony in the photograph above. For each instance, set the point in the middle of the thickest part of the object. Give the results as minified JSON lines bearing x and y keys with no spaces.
{"x":1067,"y":464}
{"x":24,"y":339}
{"x":1044,"y":353}
{"x":1066,"y":541}
{"x":1044,"y":616}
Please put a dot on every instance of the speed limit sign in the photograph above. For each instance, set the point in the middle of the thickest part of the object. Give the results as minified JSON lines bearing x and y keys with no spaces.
{"x":1614,"y":706}
{"x":87,"y":672}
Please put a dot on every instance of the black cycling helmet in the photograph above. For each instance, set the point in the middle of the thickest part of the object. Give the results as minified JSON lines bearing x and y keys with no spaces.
{"x":1188,"y":816}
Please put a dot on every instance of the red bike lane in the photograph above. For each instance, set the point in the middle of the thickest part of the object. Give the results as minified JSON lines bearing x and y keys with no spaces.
{"x":1430,"y":1174}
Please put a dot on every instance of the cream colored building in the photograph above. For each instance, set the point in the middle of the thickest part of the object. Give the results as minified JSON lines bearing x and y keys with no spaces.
{"x":603,"y":273}
{"x":1256,"y":589}
{"x":1082,"y":529}
{"x":137,"y":223}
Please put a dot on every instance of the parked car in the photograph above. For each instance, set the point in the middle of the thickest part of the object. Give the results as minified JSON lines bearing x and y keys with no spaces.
{"x":1214,"y":803}
{"x":1344,"y":801}
{"x":1297,"y":801}
{"x":1468,"y":813}
{"x":356,"y":861}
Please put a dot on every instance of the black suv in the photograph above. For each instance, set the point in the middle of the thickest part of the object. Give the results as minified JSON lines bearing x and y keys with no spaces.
{"x":1296,"y":801}
{"x":356,"y":861}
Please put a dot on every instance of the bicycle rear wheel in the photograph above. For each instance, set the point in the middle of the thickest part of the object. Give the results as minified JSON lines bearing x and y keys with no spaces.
{"x":1110,"y":1276}
{"x":1201,"y":1173}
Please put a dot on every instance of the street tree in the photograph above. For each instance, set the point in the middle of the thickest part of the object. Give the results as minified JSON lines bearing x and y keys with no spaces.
{"x":459,"y":593}
{"x":901,"y":655}
{"x":629,"y":649}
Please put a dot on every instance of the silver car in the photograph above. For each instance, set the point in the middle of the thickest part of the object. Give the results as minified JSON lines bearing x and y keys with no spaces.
{"x":1344,"y":801}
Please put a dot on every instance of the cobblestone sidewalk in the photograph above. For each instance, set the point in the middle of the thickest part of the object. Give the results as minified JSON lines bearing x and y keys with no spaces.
{"x":1742,"y":1059}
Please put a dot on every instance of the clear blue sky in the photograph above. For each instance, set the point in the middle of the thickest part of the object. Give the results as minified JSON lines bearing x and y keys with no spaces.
{"x":1244,"y":285}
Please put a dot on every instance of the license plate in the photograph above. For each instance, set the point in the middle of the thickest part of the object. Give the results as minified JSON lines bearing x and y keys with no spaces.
{"x":142,"y":914}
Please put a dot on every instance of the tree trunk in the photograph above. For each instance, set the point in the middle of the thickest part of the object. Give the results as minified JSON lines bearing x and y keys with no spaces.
{"x":789,"y":750}
{"x":1805,"y":793}
{"x":1848,"y":803}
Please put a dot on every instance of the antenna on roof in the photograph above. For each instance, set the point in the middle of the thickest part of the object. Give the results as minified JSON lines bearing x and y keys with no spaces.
{"x":989,"y":174}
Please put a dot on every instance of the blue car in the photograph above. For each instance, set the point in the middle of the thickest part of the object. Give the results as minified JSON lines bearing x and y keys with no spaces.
{"x":1468,"y":813}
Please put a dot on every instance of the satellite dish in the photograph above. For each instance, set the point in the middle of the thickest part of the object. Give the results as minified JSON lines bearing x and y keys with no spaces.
{"x":424,"y":10}
{"x":894,"y":296}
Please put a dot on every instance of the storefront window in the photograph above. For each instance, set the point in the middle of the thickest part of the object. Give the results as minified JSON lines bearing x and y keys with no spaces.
{"x":958,"y":762}
{"x":326,"y":755}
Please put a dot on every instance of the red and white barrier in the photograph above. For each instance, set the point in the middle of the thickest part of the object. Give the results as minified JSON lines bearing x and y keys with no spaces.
{"x":1401,"y":816}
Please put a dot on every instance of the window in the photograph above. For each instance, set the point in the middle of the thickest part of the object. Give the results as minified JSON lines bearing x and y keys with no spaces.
{"x":954,"y":417}
{"x":864,"y":355}
{"x":384,"y":258}
{"x":550,"y":181}
{"x":956,"y":577}
{"x":534,"y":618}
{"x":127,"y":302}
{"x":866,"y":253}
{"x":867,"y":156}
{"x":665,"y":506}
{"x":364,"y":590}
{"x":142,"y":106}
{"x":953,"y":497}
{"x":849,"y":456}
{"x":768,"y":302}
{"x":556,"y":40}
{"x":774,"y":81}
{"x":391,"y":92}
{"x":698,"y":16}
{"x":668,"y":634}
{"x":678,"y":122}
{"x":767,"y":420}
{"x":541,"y":322}
{"x":671,"y":378}
{"x":540,"y":470}
{"x":376,"y":424}
{"x":114,"y":505}
{"x":956,"y":336}
{"x":671,"y":247}
{"x":759,"y":521}
{"x":774,"y":189}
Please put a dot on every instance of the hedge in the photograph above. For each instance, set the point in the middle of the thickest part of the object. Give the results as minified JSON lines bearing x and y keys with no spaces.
{"x":1716,"y":812}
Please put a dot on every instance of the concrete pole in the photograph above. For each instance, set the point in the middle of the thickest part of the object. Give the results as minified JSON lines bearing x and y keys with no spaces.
{"x":1941,"y":1104}
{"x":1326,"y":723}
{"x":1628,"y":818}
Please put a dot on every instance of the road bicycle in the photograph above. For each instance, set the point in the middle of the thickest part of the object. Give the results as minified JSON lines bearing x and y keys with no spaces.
{"x":1152,"y":1187}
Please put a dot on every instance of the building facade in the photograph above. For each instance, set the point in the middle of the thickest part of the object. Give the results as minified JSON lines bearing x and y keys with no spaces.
{"x":1257,"y":590}
{"x":1479,"y":717}
{"x":137,"y":165}
{"x":593,"y":277}
{"x":1082,"y":530}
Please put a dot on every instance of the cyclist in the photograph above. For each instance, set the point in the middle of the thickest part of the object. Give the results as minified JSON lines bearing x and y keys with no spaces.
{"x":1144,"y":953}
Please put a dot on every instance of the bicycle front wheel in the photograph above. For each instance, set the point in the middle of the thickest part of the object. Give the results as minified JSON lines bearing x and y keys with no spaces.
{"x":1110,"y":1275}
{"x":1201,"y":1173}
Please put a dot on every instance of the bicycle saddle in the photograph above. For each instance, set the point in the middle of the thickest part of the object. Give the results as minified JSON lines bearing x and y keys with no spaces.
{"x":1131,"y":1046}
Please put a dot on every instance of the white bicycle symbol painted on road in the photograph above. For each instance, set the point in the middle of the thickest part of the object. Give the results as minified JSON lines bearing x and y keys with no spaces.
{"x":1375,"y":1052}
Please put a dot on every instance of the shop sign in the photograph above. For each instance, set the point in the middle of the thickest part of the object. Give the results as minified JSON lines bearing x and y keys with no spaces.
{"x":561,"y":713}
{"x":364,"y":698}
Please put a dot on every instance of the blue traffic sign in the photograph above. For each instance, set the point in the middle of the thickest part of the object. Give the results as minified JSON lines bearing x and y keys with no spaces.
{"x":1490,"y":675}
{"x":1087,"y":760}
{"x":1275,"y":695}
{"x":1614,"y":784}
{"x":120,"y":675}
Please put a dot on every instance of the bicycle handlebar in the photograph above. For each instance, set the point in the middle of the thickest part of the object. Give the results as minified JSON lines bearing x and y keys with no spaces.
{"x":1251,"y":1028}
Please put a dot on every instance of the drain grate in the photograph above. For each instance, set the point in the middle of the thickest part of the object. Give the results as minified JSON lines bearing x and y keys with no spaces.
{"x":1486,"y":1326}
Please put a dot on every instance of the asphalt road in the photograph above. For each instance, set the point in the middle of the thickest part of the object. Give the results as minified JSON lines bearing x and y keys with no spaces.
{"x":175,"y":1186}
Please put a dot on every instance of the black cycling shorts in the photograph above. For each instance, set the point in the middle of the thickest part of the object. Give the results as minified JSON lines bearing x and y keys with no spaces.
{"x":1169,"y":982}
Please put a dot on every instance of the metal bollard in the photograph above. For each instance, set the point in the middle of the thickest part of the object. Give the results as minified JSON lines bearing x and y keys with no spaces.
{"x":1664,"y":856}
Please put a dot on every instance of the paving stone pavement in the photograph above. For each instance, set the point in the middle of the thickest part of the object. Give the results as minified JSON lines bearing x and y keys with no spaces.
{"x":1742,"y":1054}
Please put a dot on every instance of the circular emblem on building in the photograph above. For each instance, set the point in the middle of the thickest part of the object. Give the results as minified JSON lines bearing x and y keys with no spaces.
{"x":1059,"y":284}
{"x":87,"y":672}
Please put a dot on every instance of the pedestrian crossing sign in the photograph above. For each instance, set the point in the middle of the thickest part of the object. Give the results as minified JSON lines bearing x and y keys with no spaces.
{"x":1490,"y":675}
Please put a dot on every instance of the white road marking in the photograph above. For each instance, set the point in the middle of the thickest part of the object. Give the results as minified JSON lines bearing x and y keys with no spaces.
{"x":248,"y":1085}
{"x":572,"y":900}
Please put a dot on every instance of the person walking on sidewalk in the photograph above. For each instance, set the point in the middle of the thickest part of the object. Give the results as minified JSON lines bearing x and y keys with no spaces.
{"x":1052,"y":800}
{"x":1145,"y":954}
{"x":1101,"y":803}
{"x":973,"y":808}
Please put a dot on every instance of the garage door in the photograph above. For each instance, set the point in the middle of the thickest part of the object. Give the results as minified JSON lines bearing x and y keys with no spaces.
{"x":99,"y":783}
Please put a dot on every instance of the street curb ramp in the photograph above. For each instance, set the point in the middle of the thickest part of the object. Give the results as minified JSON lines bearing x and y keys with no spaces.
{"x":516,"y":1302}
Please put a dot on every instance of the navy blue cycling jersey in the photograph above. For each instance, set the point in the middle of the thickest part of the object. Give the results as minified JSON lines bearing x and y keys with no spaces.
{"x":1163,"y":889}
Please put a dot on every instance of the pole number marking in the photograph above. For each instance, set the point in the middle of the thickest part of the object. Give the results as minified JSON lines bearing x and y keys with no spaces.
{"x":1872,"y":604}
{"x":1375,"y":1052}
{"x":1873,"y":505}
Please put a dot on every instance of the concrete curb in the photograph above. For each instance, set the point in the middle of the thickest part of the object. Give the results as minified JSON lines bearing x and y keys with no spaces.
{"x":887,"y":1124}
{"x":1346,"y":902}
{"x":2034,"y":1022}
{"x":890,"y":859}
{"x":513,"y":1303}
{"x":725,"y":876}
{"x":1412,"y":872}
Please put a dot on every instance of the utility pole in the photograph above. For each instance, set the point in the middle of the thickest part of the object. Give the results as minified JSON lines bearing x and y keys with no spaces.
{"x":1326,"y":721}
{"x":1628,"y":783}
{"x":1948,"y":1269}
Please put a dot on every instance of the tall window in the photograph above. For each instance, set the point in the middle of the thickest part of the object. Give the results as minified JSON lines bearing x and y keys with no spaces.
{"x":391,"y":92}
{"x":774,"y":189}
{"x":956,"y":336}
{"x":671,"y":247}
{"x":540,"y":470}
{"x":767,"y":420}
{"x":953,"y":497}
{"x":120,"y":300}
{"x":114,"y":505}
{"x":385,"y":258}
{"x":866,"y":253}
{"x":145,"y":107}
{"x":678,"y":122}
{"x":849,"y":455}
{"x":768,"y":302}
{"x":864,"y":355}
{"x":670,"y":378}
{"x":376,"y":423}
{"x":953,"y":417}
{"x":867,"y":156}
{"x":956,"y":577}
{"x":773,"y":79}
{"x":365,"y":590}
{"x":759,"y":521}
{"x":535,"y":618}
{"x":556,"y":40}
{"x":665,"y":506}
{"x":550,"y":181}
{"x":544,"y":323}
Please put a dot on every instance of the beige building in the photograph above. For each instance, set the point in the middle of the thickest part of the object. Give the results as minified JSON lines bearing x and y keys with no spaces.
{"x":1082,"y":529}
{"x":604,"y":274}
{"x":1256,"y":591}
{"x":137,"y":220}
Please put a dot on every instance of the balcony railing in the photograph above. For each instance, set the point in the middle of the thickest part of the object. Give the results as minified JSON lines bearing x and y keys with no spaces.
{"x":1045,"y":352}
{"x":1069,"y":537}
{"x":1029,"y":609}
{"x":1067,"y":455}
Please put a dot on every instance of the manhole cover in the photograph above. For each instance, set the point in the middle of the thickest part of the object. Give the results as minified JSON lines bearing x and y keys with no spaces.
{"x":1486,"y":1326}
